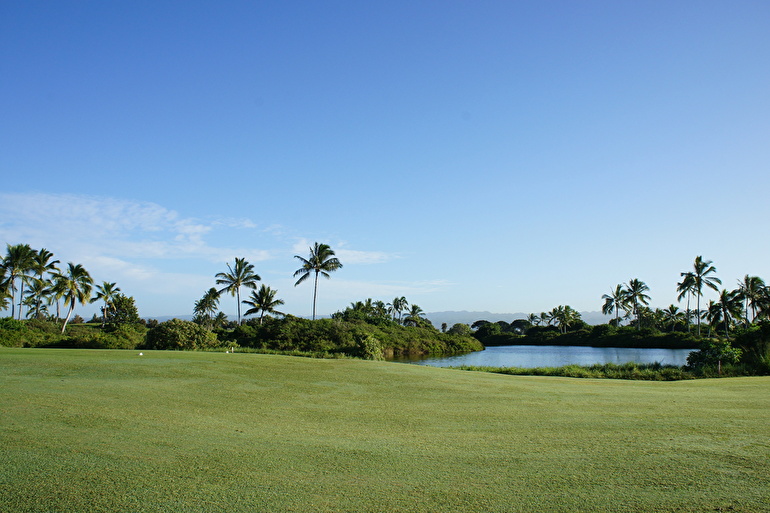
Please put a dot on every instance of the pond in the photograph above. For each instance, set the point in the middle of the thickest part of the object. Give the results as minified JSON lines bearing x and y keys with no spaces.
{"x":556,"y":356}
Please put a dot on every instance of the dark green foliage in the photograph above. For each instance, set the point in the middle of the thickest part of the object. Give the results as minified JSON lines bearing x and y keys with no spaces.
{"x":460,"y":329}
{"x":45,"y":333}
{"x":754,"y":342}
{"x":337,"y":336}
{"x":123,"y":311}
{"x":178,"y":334}
{"x":602,"y":335}
{"x":714,"y":353}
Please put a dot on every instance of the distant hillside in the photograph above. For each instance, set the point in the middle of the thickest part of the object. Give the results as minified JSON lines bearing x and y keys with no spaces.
{"x":465,"y":317}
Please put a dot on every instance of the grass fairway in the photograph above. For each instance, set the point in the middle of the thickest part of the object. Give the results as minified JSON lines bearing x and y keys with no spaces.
{"x":88,"y":430}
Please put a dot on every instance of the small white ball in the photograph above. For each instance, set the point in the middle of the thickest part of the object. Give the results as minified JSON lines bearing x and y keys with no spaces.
{"x":141,"y":354}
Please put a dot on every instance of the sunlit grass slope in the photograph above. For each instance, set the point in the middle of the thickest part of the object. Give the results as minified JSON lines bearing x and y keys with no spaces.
{"x":180,"y":431}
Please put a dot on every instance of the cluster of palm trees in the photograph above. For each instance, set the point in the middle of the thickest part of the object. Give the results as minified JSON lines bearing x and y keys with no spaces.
{"x":320,"y":262}
{"x":744,"y":304}
{"x":30,"y":279}
{"x":399,"y":310}
{"x":562,"y":316}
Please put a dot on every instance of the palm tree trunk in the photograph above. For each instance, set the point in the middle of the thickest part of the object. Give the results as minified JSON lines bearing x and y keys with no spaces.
{"x":698,"y":316}
{"x":315,"y":292}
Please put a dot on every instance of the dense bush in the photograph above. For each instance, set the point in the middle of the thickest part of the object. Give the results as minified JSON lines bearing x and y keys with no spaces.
{"x":351,"y":337}
{"x":754,"y":342}
{"x":602,"y":335}
{"x":178,"y":334}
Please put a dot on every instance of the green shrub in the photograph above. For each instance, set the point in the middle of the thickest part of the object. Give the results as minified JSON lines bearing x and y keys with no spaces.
{"x":178,"y":334}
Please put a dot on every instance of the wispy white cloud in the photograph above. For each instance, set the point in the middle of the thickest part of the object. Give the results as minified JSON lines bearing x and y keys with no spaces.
{"x":345,"y":255}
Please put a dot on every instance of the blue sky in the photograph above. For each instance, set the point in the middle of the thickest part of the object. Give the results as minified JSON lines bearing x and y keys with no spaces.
{"x":500,"y":156}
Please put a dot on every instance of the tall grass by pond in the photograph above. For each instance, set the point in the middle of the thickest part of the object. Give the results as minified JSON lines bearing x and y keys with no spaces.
{"x":98,"y":430}
{"x":631,"y":370}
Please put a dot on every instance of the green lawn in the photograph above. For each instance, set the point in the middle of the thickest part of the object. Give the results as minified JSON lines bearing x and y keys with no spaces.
{"x":95,"y":430}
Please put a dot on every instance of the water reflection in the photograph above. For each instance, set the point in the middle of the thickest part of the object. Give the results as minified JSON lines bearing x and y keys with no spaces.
{"x":556,"y":356}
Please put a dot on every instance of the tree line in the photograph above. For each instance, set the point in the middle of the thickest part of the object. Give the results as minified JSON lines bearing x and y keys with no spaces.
{"x":32,"y":284}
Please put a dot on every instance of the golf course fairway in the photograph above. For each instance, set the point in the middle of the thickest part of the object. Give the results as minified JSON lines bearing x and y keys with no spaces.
{"x":98,"y":430}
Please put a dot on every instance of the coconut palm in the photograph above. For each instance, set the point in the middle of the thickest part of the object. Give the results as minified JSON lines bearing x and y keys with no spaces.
{"x":751,"y":290}
{"x":321,"y":261}
{"x":106,"y":292}
{"x":702,"y":269}
{"x":533,"y":319}
{"x":17,"y":263}
{"x":415,"y":316}
{"x":77,"y":285}
{"x":43,"y":264}
{"x":635,"y":293}
{"x":686,"y":288}
{"x":240,"y":275}
{"x":565,"y":316}
{"x":34,"y":298}
{"x":730,"y":308}
{"x":614,"y":302}
{"x":207,"y":306}
{"x":263,"y":302}
{"x":398,"y":305}
{"x":672,"y":314}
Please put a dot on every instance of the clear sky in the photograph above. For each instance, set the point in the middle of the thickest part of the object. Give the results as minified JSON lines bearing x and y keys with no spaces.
{"x":506,"y":156}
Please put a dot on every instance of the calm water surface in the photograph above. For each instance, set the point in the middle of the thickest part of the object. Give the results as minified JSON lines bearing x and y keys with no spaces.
{"x":557,"y":356}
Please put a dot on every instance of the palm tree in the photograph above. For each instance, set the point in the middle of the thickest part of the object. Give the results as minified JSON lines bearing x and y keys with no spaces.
{"x":106,"y":292}
{"x":672,"y":315}
{"x":321,"y":261}
{"x":751,"y":290}
{"x":701,"y":272}
{"x":263,"y":301}
{"x":730,"y":307}
{"x":33,"y":300}
{"x":207,"y":306}
{"x":397,"y":306}
{"x":18,"y":261}
{"x":635,"y":293}
{"x":415,"y":316}
{"x":614,"y":302}
{"x":565,"y":316}
{"x":686,"y":288}
{"x":241,"y":275}
{"x":77,"y":284}
{"x":533,"y":319}
{"x":42,"y":264}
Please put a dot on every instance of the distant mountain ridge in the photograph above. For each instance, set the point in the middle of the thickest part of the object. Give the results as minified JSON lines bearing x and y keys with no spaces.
{"x":465,"y":317}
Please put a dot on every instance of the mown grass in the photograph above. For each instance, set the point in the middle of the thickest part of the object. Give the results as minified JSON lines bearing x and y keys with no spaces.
{"x":96,"y":430}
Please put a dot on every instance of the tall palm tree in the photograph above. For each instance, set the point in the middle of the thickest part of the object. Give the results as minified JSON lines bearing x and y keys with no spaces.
{"x":686,"y":288}
{"x":77,"y":284}
{"x":751,"y":290}
{"x":321,"y":261}
{"x":18,"y":261}
{"x":635,"y":292}
{"x":43,"y":264}
{"x":614,"y":302}
{"x":263,"y":302}
{"x":207,"y":306}
{"x":240,"y":275}
{"x":533,"y":319}
{"x":106,"y":292}
{"x":702,"y":269}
